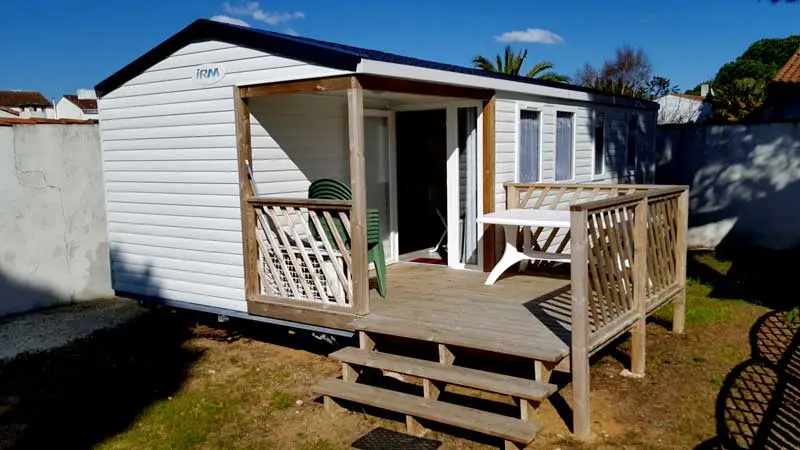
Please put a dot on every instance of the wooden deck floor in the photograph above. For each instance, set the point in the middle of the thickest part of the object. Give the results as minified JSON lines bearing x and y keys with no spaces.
{"x":521,"y":315}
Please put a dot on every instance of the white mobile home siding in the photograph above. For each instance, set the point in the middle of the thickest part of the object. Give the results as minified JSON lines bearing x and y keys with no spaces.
{"x":506,"y":136}
{"x":169,"y":159}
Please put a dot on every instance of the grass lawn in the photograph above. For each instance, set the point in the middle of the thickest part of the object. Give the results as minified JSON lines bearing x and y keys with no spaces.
{"x":164,"y":381}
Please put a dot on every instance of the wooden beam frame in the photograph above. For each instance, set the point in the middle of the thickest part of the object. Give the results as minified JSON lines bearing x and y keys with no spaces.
{"x":489,"y":233}
{"x":367,"y":82}
{"x":358,"y":186}
{"x":244,"y":157}
{"x":579,"y":274}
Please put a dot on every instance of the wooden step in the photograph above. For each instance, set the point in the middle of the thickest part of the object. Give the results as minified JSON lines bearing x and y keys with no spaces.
{"x":462,"y":376}
{"x":503,"y":427}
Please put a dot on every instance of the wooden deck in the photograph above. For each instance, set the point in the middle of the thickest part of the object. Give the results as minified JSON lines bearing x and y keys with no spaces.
{"x":522,"y":315}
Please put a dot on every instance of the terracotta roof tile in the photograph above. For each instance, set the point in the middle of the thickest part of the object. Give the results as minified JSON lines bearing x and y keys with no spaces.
{"x":23,"y":98}
{"x":82,"y":103}
{"x":790,"y":72}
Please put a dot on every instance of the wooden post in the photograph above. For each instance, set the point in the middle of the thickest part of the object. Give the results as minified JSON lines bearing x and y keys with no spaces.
{"x":679,"y":303}
{"x":358,"y":215}
{"x":244,"y":154}
{"x":489,"y":234}
{"x":638,"y":344}
{"x":579,"y":276}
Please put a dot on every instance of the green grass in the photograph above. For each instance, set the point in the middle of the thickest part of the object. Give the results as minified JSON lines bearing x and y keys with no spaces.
{"x":281,"y":400}
{"x":702,"y":308}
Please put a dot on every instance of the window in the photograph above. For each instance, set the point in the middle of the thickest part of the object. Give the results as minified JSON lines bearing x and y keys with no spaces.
{"x":633,"y":134}
{"x":528,"y":160}
{"x":599,"y":144}
{"x":564,"y":145}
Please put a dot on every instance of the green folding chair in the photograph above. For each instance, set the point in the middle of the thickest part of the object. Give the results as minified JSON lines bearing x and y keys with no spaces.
{"x":330,"y":189}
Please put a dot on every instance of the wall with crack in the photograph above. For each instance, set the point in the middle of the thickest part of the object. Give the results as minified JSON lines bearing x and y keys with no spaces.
{"x":53,"y":238}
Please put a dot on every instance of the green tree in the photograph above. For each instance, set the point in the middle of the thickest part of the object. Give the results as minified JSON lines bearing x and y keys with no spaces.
{"x":627,"y":74}
{"x":511,"y":62}
{"x":659,"y":87}
{"x":761,"y":61}
{"x":735,"y":101}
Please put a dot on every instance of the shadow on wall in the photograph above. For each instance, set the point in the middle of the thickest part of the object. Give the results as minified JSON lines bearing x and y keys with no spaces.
{"x":744,"y":182}
{"x":757,"y":406}
{"x":79,"y":395}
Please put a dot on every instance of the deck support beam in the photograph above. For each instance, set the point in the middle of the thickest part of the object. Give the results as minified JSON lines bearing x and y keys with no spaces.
{"x":489,"y":233}
{"x":639,"y":332}
{"x":679,"y":303}
{"x":543,"y":370}
{"x":579,"y":274}
{"x":358,"y":186}
{"x":365,"y":341}
{"x":244,"y":156}
{"x":446,"y":356}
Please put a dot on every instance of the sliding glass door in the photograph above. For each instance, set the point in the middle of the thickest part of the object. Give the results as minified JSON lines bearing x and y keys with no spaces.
{"x":379,"y":175}
{"x":463,"y":171}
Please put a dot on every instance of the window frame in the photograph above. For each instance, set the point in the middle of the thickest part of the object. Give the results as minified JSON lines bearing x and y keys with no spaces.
{"x":573,"y":112}
{"x":521,"y":106}
{"x":628,"y":117}
{"x":602,"y":116}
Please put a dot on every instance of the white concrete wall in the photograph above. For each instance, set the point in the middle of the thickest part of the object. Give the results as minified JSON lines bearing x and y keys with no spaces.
{"x":38,"y":112}
{"x":744,"y":182}
{"x":65,"y":109}
{"x":169,"y":155}
{"x":677,"y":109}
{"x":616,"y":120}
{"x":53,"y":245}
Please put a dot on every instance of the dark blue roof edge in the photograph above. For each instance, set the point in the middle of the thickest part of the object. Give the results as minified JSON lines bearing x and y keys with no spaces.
{"x":328,"y":54}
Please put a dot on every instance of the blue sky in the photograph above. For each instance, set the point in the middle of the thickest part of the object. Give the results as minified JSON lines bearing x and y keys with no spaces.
{"x":57,"y":46}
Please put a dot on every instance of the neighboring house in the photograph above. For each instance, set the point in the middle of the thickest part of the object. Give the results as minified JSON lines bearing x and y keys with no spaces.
{"x":6,"y":112}
{"x":439,"y":137}
{"x":684,"y":108}
{"x":80,"y":106}
{"x":783,"y":92}
{"x":27,"y":104}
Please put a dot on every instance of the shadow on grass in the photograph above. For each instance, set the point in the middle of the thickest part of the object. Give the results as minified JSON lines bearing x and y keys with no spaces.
{"x":759,"y":404}
{"x":79,"y":395}
{"x":759,"y":276}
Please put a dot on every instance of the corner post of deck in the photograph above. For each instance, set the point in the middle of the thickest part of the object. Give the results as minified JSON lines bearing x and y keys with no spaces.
{"x":639,"y":335}
{"x":244,"y":156}
{"x":358,"y":214}
{"x":679,"y":303}
{"x":579,"y":277}
{"x":490,"y":235}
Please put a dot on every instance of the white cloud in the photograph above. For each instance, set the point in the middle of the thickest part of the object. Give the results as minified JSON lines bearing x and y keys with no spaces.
{"x":253,"y":10}
{"x":231,"y":20}
{"x":530,"y":35}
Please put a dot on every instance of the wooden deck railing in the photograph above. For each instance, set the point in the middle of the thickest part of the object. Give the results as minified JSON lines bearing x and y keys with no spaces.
{"x":627,"y":246}
{"x":304,"y":253}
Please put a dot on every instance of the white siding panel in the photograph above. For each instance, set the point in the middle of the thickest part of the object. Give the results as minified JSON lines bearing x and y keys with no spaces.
{"x":130,"y":261}
{"x":169,"y":152}
{"x":616,"y":121}
{"x":189,"y":255}
{"x":231,"y":248}
{"x":195,"y":233}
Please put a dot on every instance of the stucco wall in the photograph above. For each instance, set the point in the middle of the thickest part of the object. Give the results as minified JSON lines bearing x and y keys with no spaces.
{"x":53,"y":244}
{"x":745,"y":181}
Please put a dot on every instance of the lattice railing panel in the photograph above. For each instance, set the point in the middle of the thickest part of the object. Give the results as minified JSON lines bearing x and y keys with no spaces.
{"x":304,"y":253}
{"x":557,"y":196}
{"x":610,"y":257}
{"x":662,"y":243}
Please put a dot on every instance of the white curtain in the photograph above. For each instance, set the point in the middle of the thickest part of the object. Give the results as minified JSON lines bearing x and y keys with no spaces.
{"x":468,"y":178}
{"x":528,"y":146}
{"x":564,"y":153}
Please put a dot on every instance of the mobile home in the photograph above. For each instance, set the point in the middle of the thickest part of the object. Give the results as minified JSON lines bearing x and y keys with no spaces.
{"x":211,"y":140}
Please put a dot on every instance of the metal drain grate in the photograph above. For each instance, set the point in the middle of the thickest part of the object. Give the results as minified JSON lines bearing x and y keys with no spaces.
{"x":386,"y":439}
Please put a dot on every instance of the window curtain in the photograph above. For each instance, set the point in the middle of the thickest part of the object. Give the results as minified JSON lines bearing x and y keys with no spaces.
{"x":564,"y":153}
{"x":528,"y":146}
{"x":468,"y":147}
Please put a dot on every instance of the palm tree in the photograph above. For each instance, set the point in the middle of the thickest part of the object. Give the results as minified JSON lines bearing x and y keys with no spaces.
{"x":510,"y":63}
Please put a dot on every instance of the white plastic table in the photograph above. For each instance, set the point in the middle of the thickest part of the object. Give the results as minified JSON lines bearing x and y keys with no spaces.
{"x":511,"y":220}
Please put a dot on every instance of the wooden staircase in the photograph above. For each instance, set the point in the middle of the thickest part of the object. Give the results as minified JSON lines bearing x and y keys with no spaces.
{"x":515,"y":432}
